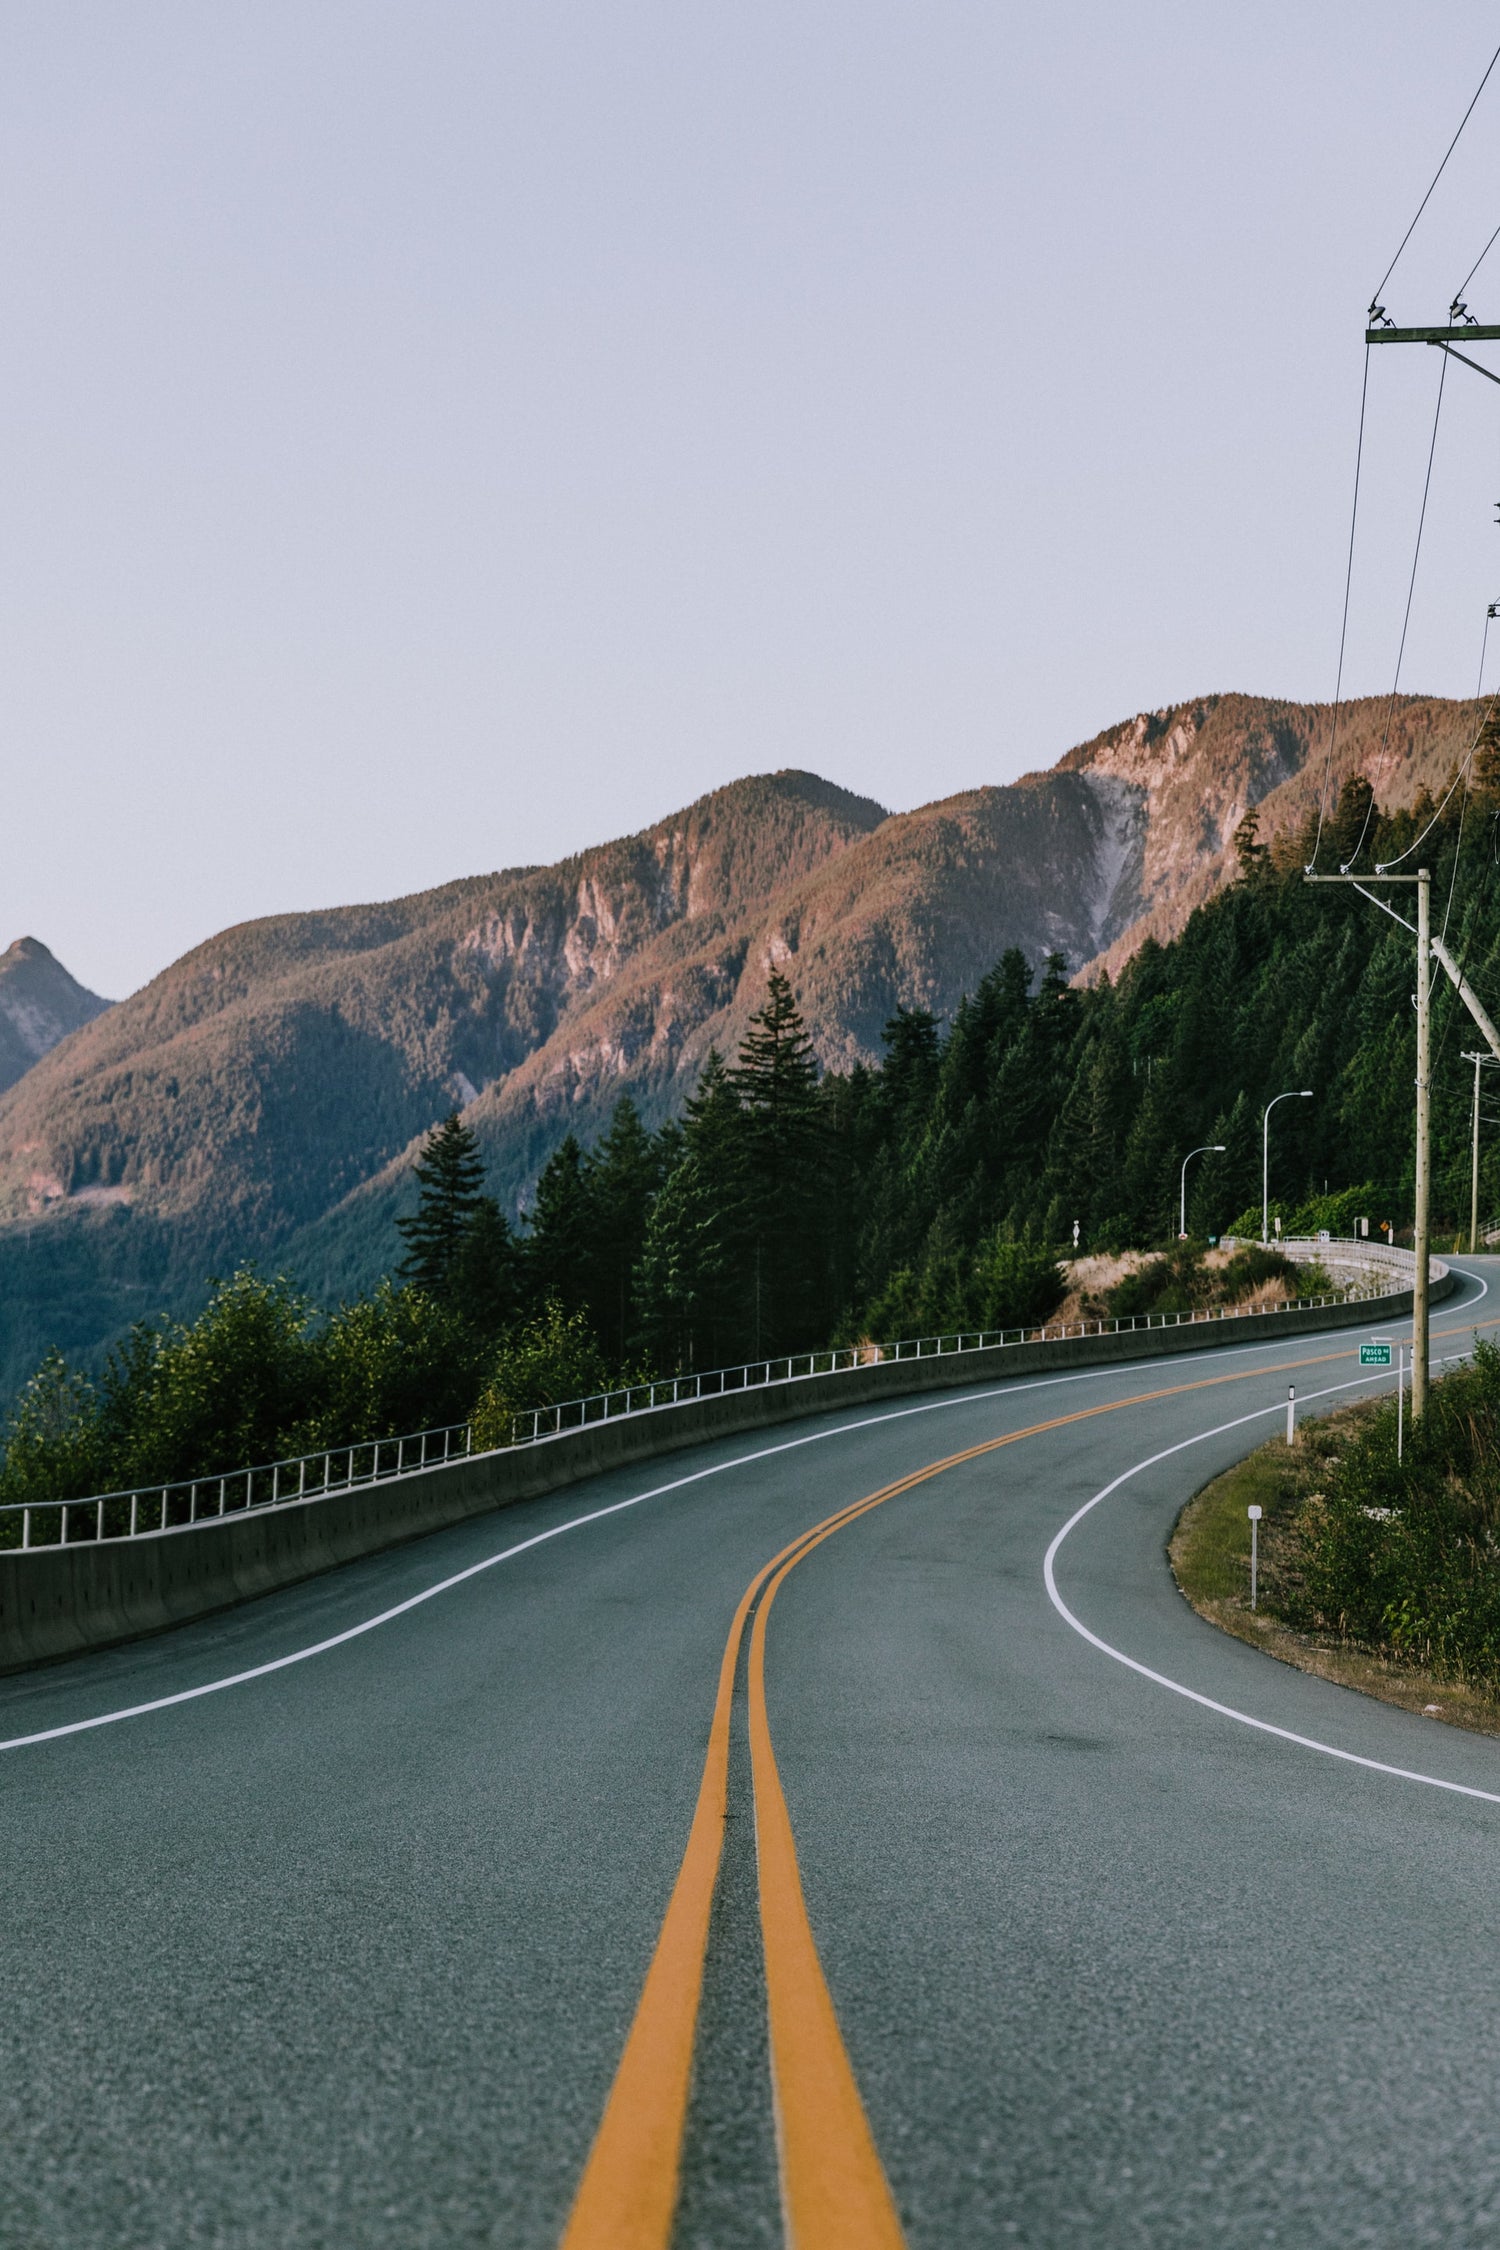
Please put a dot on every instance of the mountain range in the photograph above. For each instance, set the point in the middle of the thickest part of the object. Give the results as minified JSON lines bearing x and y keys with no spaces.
{"x":263,"y":1097}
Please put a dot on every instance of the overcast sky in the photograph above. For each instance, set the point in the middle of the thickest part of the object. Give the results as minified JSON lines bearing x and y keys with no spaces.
{"x":439,"y":436}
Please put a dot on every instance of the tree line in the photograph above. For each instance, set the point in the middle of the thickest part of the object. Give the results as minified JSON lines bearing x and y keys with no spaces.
{"x":789,"y":1208}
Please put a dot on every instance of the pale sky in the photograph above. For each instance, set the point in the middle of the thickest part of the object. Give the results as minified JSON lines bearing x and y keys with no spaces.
{"x":439,"y":437}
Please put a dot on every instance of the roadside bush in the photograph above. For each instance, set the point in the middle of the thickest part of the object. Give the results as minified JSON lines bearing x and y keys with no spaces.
{"x":1249,"y":1270}
{"x":1405,"y":1556}
{"x":53,"y":1446}
{"x":1173,"y":1284}
{"x":257,"y":1377}
{"x":1336,"y":1212}
{"x":551,"y":1358}
{"x":398,"y":1361}
{"x":1180,"y":1282}
{"x":214,"y":1396}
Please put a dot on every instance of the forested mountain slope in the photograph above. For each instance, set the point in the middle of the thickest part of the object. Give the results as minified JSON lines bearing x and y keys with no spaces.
{"x":262,"y":1098}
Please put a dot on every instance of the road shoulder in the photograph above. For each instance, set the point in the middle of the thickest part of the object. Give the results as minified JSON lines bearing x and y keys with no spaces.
{"x":1209,"y":1554}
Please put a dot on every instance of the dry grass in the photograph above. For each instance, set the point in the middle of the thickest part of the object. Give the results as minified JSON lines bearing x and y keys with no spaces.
{"x":1091,"y":1278}
{"x":1210,"y":1557}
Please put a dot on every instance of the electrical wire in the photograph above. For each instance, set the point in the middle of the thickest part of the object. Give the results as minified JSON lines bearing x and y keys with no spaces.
{"x":1338,"y":685}
{"x":1458,"y":853}
{"x":1437,"y":175}
{"x":1411,"y":588}
{"x":1461,"y":776}
{"x":1478,"y":262}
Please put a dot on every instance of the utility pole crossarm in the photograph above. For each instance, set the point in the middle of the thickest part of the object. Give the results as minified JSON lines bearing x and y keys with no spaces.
{"x":1466,"y":334}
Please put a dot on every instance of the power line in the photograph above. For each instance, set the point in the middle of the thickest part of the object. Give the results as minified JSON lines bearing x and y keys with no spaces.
{"x":1437,"y":175}
{"x":1338,"y":685}
{"x":1460,"y":777}
{"x":1411,"y":588}
{"x":1478,"y":262}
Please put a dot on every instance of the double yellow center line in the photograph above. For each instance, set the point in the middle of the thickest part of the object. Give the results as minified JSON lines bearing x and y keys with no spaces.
{"x":834,"y":2191}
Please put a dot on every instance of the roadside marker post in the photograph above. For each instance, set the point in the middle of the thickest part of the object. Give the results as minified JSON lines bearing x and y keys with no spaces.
{"x":1291,"y":1411}
{"x":1253,"y":1511}
{"x":1400,"y":1401}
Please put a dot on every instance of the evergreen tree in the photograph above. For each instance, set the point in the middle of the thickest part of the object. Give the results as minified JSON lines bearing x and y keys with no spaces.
{"x":696,"y":1247}
{"x":559,"y":1245}
{"x":625,"y":1172}
{"x":786,"y":1154}
{"x":450,"y":1202}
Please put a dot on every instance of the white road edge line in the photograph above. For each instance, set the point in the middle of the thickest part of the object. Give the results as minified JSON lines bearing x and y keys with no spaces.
{"x":1207,"y":1702}
{"x":597,"y":1515}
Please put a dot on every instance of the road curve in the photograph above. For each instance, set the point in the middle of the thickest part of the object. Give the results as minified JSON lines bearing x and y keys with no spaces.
{"x":1123,"y":1933}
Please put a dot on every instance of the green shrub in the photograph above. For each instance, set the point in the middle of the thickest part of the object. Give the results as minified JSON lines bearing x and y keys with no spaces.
{"x":1250,"y":1269}
{"x":1405,"y":1556}
{"x":255,"y":1378}
{"x":551,"y":1358}
{"x":1173,"y":1284}
{"x":389,"y":1364}
{"x":53,"y":1442}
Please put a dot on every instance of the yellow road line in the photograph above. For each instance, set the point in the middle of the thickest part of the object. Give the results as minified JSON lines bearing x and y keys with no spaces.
{"x":628,"y":2193}
{"x":834,"y":2190}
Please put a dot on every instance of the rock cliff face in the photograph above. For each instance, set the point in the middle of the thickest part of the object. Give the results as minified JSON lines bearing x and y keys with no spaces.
{"x":39,"y":1005}
{"x":263,"y":1097}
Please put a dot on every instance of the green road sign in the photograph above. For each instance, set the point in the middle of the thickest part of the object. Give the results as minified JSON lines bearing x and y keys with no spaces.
{"x":1374,"y":1355}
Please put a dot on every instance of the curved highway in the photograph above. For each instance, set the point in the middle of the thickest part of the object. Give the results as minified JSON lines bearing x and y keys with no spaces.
{"x":856,"y":1815}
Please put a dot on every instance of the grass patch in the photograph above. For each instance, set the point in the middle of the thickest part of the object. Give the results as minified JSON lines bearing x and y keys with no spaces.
{"x":1210,"y":1556}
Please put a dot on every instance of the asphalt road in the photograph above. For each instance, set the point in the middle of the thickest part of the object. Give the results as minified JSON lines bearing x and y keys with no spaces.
{"x":347,"y":1954}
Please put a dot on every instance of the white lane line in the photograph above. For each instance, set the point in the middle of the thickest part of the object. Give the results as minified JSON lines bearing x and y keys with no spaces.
{"x":597,"y":1515}
{"x":1207,"y":1702}
{"x":538,"y":1539}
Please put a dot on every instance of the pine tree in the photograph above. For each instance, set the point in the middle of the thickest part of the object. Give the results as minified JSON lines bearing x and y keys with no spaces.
{"x":625,"y":1172}
{"x":788,"y":1280}
{"x":559,"y":1248}
{"x":451,"y":1199}
{"x":908,"y":1078}
{"x":776,"y":1076}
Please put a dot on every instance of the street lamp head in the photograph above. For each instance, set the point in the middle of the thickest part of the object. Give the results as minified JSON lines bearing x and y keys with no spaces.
{"x":1306,"y":1094}
{"x":1216,"y":1148}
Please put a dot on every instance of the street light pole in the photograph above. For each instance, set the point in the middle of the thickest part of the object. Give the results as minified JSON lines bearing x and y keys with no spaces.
{"x":1294,"y":1094}
{"x":1209,"y":1148}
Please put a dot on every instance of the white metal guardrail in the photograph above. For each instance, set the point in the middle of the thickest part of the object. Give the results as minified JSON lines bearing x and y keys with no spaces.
{"x":146,"y":1511}
{"x":151,"y":1508}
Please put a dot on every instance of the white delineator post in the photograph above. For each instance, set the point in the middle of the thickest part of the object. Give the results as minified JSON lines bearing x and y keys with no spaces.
{"x":1291,"y":1412}
{"x":1253,"y":1511}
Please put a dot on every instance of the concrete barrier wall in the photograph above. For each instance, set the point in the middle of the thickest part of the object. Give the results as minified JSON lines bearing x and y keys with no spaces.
{"x":59,"y":1601}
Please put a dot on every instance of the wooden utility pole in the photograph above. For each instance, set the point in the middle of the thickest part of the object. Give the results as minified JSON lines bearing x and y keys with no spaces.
{"x":1421,"y":1242}
{"x":1424,"y":1143}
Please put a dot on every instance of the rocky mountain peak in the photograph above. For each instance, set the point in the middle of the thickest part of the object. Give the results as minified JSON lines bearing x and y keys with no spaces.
{"x":40,"y":1003}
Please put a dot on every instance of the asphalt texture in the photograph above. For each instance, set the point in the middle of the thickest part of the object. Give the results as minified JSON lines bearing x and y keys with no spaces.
{"x":346,"y":1955}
